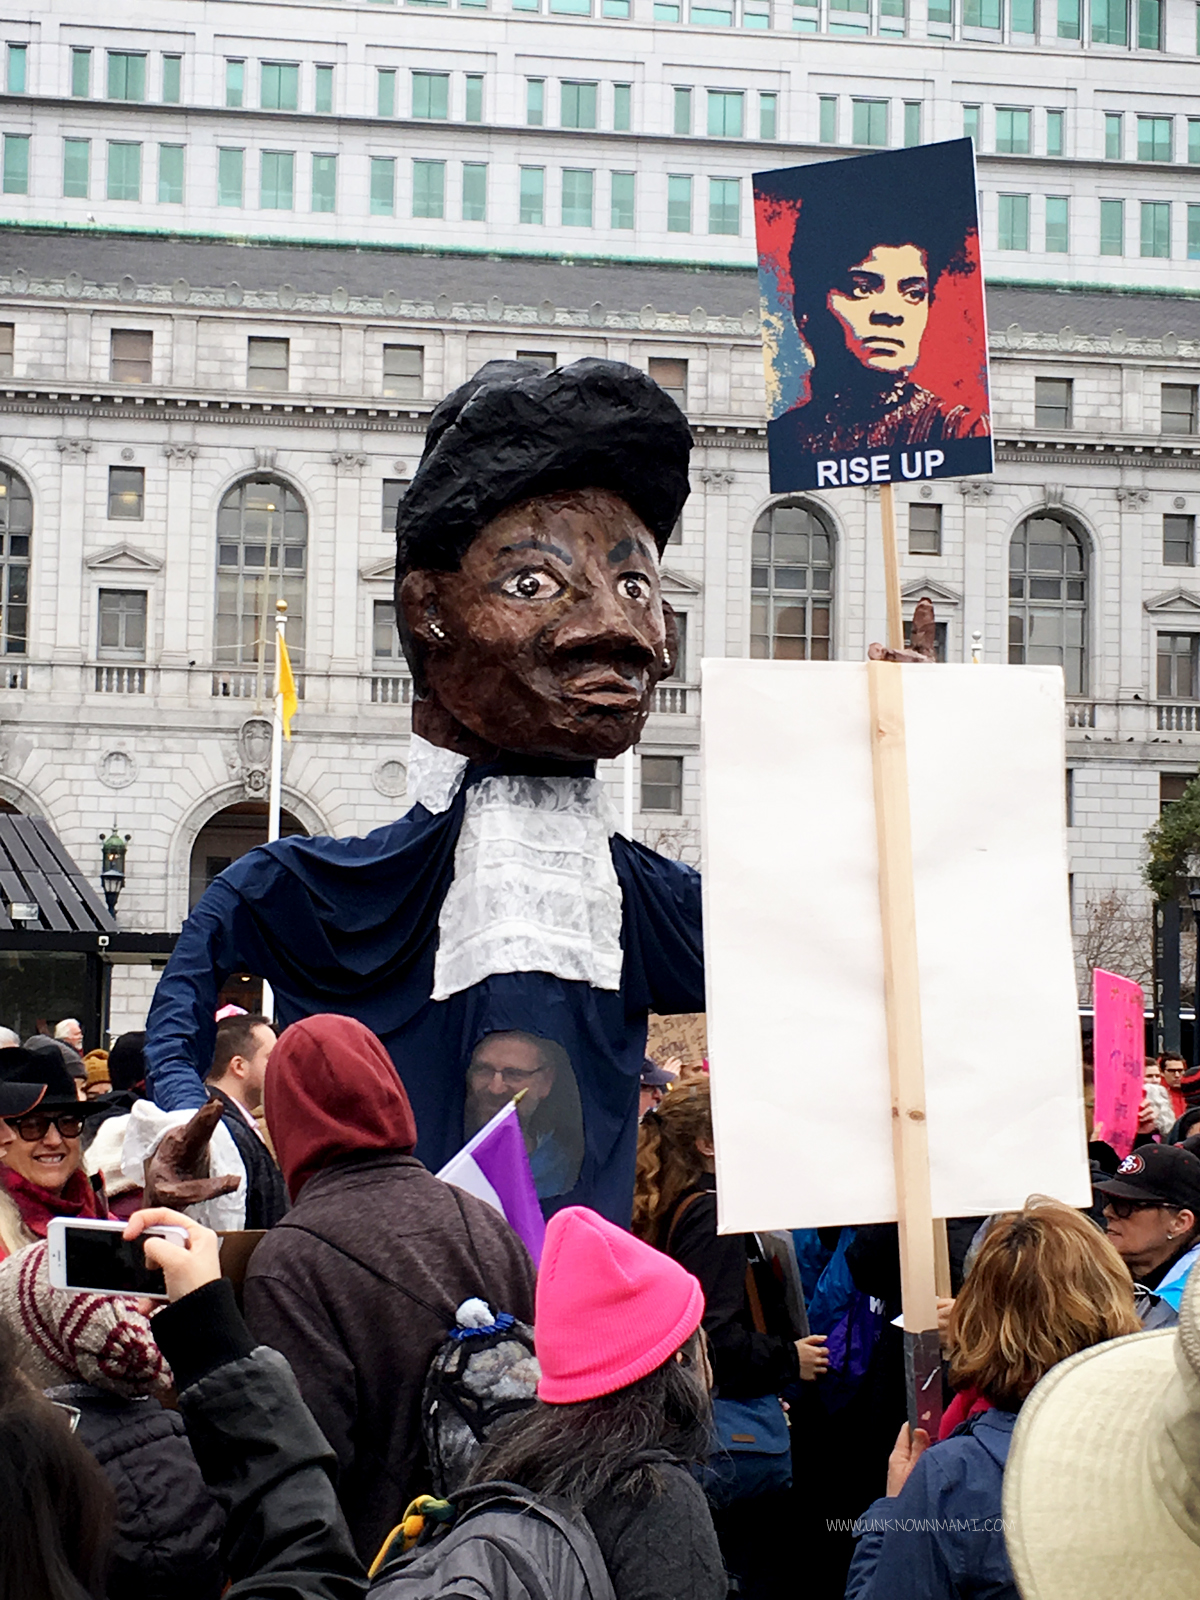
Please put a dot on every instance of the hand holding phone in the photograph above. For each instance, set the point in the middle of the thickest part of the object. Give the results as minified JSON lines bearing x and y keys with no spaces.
{"x":187,"y":1254}
{"x":88,"y":1254}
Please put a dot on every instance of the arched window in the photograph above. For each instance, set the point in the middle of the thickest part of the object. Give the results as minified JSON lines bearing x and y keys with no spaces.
{"x":791,"y":586}
{"x":1047,"y":587}
{"x":262,"y":555}
{"x":16,"y":529}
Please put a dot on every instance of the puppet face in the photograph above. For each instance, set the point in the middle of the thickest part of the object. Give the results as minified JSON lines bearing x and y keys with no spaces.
{"x":551,"y":636}
{"x":883,"y":307}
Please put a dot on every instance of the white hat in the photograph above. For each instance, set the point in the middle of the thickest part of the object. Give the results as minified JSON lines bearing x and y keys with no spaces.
{"x":1102,"y":1486}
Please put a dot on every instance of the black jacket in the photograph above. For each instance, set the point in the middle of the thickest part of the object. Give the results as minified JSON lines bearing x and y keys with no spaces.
{"x":168,"y":1534}
{"x":266,"y":1195}
{"x":663,"y":1547}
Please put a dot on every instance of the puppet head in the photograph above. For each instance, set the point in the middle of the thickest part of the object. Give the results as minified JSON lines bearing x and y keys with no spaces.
{"x":527,"y":589}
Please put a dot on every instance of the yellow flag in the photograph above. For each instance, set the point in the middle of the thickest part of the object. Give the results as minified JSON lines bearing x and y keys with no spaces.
{"x":286,"y":686}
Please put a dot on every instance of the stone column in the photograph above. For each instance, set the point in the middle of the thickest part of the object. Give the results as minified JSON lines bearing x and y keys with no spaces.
{"x":64,"y":576}
{"x":348,"y":464}
{"x":715,"y":482}
{"x":976,"y":494}
{"x":177,"y":576}
{"x":1131,"y":521}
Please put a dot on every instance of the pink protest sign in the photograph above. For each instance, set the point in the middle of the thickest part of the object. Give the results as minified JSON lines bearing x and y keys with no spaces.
{"x":1120,"y":1052}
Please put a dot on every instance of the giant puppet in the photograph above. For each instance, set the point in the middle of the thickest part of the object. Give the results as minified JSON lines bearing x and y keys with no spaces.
{"x":500,"y":935}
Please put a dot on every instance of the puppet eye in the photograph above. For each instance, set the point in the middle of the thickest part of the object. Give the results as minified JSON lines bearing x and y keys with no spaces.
{"x":532,"y":583}
{"x":634,"y":586}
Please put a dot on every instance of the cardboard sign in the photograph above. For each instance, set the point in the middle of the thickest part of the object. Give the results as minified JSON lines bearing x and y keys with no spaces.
{"x":874,"y":335}
{"x":1120,"y":1058}
{"x":794,"y":952}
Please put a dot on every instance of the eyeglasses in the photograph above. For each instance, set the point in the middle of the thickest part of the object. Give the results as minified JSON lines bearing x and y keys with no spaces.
{"x":1124,"y":1209}
{"x":513,"y":1077}
{"x":37,"y":1125}
{"x":72,"y":1414}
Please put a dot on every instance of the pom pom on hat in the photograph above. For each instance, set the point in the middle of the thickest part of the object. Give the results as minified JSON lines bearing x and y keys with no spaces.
{"x":609,"y":1308}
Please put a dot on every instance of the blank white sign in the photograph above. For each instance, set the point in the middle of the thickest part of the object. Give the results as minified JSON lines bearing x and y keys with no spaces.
{"x":794,"y":954}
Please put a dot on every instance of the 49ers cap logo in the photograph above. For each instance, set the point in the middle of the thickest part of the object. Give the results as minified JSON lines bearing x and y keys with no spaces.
{"x":1132,"y":1164}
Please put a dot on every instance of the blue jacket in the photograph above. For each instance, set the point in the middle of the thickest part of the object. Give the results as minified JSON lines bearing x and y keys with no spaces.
{"x":941,"y":1537}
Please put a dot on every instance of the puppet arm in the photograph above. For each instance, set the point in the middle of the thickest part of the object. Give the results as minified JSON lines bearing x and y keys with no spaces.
{"x":181,"y":1026}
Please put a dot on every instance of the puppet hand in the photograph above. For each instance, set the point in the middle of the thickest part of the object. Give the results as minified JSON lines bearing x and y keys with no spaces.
{"x":922,"y":638}
{"x":177,"y":1172}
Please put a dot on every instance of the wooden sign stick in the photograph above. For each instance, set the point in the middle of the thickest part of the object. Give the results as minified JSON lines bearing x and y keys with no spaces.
{"x":902,"y":1000}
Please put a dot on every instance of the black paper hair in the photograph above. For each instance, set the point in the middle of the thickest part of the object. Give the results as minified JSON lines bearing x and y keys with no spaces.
{"x":515,"y":431}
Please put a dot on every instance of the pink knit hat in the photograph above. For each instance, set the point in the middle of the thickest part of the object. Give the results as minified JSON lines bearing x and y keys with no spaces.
{"x":609,"y":1308}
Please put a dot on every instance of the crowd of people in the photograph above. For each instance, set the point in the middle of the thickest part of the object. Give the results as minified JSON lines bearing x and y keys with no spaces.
{"x":659,"y":1413}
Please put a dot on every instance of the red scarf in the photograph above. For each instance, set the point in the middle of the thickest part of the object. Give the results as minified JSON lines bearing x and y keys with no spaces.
{"x":36,"y":1205}
{"x":967,"y":1403}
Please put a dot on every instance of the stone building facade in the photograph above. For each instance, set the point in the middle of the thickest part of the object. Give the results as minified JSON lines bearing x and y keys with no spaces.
{"x":203,"y":404}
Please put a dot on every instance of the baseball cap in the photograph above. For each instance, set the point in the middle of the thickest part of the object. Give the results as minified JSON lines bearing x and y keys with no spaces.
{"x":1162,"y":1173}
{"x":653,"y":1076}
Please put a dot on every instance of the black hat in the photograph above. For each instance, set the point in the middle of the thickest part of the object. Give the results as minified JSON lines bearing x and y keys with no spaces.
{"x":514,"y":431}
{"x":22,"y":1083}
{"x":1161,"y":1173}
{"x":43,"y":1067}
{"x":653,"y":1076}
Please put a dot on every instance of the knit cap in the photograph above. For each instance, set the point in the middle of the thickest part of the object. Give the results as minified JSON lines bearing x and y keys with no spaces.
{"x":97,"y":1338}
{"x":609,"y":1308}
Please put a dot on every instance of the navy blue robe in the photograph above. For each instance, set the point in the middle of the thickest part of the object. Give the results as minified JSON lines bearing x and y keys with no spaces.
{"x":351,"y":926}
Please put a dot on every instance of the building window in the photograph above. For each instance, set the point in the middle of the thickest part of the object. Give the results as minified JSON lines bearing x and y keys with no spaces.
{"x":679,"y":203}
{"x":971,"y":124}
{"x":578,"y":105}
{"x":671,"y":376}
{"x":1112,"y":227}
{"x":122,"y":630}
{"x":912,"y":123}
{"x":1171,"y":786}
{"x":1178,"y":408}
{"x":1156,"y":228}
{"x":124,"y":171}
{"x":924,"y":529}
{"x":473,"y":111}
{"x":394,"y":490}
{"x":1052,"y":402}
{"x":385,"y":92}
{"x":170,"y":174}
{"x":474,"y":191}
{"x":870,"y":122}
{"x":940,"y":637}
{"x":267,"y":363}
{"x":1013,"y":231}
{"x":1193,"y":233}
{"x":1179,"y":541}
{"x":16,"y":163}
{"x":1110,"y":22}
{"x":543,"y":360}
{"x":683,"y":111}
{"x":577,"y":192}
{"x":172,"y":80}
{"x":262,"y":550}
{"x":1013,"y":131}
{"x":678,"y":672}
{"x":827,"y":115}
{"x":323,"y":91}
{"x":1069,"y":23}
{"x":725,"y":114}
{"x":662,"y":783}
{"x":981,"y":14}
{"x":383,"y":186}
{"x":81,"y":74}
{"x":431,"y":95}
{"x":535,"y":101}
{"x":324,"y":183}
{"x":1047,"y":586}
{"x":1154,"y":138}
{"x":1177,"y":666}
{"x":622,"y":107}
{"x":1149,"y":24}
{"x":279,"y":86}
{"x":404,"y":371}
{"x":231,"y":173}
{"x":622,"y":215}
{"x":429,"y":188}
{"x":1055,"y":133}
{"x":533,"y":195}
{"x":16,"y":531}
{"x":277,"y":185}
{"x":791,"y":586}
{"x":131,"y":356}
{"x":126,"y":493}
{"x":235,"y":83}
{"x":385,"y":635}
{"x":1023,"y":16}
{"x":1070,"y":796}
{"x":1114,"y":136}
{"x":77,"y":165}
{"x":724,"y":205}
{"x":1058,"y":224}
{"x":126,"y":76}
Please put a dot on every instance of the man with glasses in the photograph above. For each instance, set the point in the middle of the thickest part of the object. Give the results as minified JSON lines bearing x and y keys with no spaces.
{"x":504,"y":1065}
{"x":1152,"y":1216}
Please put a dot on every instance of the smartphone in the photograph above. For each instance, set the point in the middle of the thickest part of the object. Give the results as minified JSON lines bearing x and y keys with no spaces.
{"x":89,"y":1254}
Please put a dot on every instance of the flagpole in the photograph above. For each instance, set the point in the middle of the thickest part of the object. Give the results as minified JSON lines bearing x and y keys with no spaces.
{"x":273,"y":794}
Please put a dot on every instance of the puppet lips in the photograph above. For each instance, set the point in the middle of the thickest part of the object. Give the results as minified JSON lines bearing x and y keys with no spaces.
{"x":606,"y":689}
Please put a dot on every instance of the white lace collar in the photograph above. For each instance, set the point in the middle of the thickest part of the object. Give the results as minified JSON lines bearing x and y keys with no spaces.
{"x":434,"y":775}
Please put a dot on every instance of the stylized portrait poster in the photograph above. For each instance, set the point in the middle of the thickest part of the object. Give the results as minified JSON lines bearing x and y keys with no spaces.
{"x":874,"y":334}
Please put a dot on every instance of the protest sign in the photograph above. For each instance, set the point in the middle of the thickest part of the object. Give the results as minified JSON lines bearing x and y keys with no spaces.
{"x":874,"y":334}
{"x":797,"y":1024}
{"x":1119,"y":1054}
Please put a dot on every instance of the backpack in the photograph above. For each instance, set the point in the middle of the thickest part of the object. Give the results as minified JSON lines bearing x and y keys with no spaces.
{"x":484,"y":1370}
{"x":504,"y":1543}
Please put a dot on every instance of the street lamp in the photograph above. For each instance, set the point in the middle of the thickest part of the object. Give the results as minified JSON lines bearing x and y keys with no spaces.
{"x":1193,"y":889}
{"x":112,"y":867}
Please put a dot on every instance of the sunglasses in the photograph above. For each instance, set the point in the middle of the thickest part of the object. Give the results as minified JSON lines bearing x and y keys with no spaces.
{"x":37,"y":1125}
{"x":1124,"y":1209}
